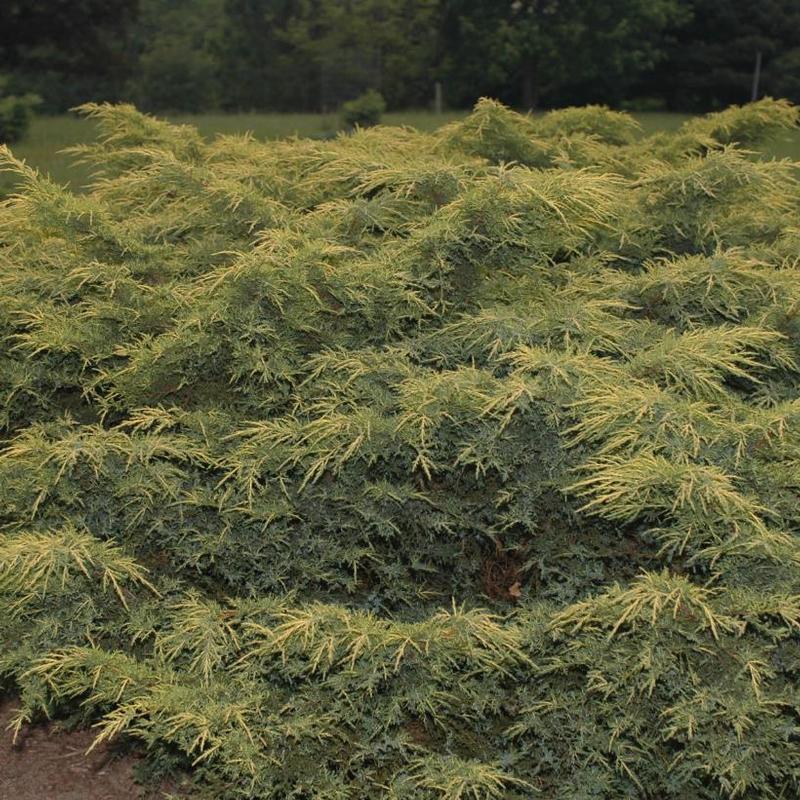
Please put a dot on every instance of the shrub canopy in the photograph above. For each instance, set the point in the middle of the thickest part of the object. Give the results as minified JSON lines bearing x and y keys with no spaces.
{"x":16,"y":113}
{"x":436,"y":466}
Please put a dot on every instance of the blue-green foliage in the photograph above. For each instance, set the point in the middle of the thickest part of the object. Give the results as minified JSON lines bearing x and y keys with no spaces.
{"x":442,"y":466}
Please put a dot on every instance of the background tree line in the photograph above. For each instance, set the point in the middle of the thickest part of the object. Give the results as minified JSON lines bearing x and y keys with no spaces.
{"x":310,"y":55}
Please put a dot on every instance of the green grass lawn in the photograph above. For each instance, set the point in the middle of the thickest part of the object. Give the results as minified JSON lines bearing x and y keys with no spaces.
{"x":49,"y":136}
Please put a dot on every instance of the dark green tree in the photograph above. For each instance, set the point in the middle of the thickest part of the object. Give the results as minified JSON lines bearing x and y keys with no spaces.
{"x":177,"y":67}
{"x":67,"y":51}
{"x":711,"y":58}
{"x":315,"y":54}
{"x":551,"y":51}
{"x":254,"y":60}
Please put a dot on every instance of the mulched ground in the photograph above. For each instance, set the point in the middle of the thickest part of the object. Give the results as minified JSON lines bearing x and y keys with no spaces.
{"x":48,"y":763}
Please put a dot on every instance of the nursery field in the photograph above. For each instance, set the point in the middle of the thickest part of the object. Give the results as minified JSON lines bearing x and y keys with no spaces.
{"x":49,"y":136}
{"x":446,"y":464}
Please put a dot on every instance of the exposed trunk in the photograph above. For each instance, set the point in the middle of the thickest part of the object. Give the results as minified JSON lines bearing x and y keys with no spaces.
{"x":756,"y":78}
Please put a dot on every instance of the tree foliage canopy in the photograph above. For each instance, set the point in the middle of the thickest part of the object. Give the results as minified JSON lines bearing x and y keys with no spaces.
{"x":432,"y":466}
{"x":312,"y":55}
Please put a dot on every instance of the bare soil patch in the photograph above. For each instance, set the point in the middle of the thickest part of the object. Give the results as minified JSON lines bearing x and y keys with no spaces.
{"x":49,"y":763}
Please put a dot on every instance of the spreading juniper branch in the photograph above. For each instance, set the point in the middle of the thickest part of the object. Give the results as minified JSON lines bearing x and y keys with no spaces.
{"x":421,"y":466}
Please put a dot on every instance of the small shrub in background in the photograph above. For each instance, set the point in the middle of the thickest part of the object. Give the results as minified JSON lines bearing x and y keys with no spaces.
{"x":412,"y":466}
{"x":364,"y":111}
{"x":16,"y":113}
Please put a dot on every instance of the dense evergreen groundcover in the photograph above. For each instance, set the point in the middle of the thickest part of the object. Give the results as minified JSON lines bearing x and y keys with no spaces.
{"x":461,"y":465}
